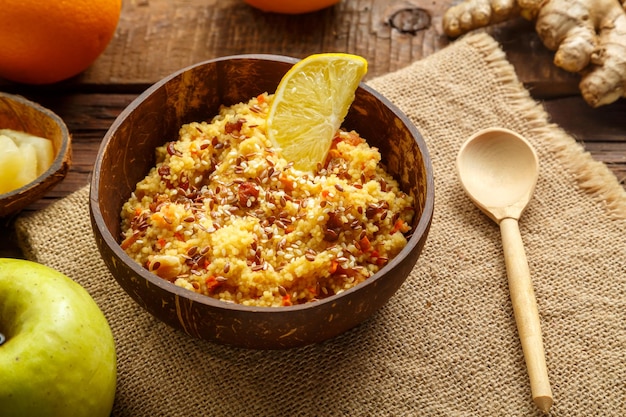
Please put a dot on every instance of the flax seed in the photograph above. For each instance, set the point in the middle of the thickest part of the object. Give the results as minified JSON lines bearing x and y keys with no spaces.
{"x":192,"y":251}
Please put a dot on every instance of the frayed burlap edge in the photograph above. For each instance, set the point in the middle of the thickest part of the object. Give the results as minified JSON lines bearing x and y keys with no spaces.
{"x":592,"y":176}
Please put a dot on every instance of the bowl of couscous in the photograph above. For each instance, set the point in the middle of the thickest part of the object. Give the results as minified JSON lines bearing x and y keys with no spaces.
{"x":212,"y":231}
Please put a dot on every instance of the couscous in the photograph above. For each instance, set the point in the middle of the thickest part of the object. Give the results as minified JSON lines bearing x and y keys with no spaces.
{"x":222,"y":214}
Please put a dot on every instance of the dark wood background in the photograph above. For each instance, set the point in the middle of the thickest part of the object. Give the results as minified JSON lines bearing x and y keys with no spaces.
{"x":157,"y":37}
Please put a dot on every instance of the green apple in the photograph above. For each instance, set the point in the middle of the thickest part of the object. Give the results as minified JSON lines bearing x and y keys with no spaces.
{"x":57,"y":352}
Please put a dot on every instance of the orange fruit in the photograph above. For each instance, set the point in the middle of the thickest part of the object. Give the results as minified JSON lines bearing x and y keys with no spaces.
{"x":291,"y":6}
{"x":45,"y":41}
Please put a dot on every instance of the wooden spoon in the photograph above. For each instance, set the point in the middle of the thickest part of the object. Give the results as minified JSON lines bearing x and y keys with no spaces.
{"x":498,"y":170}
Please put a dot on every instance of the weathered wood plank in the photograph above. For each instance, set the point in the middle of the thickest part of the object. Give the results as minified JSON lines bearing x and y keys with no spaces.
{"x":157,"y":37}
{"x":607,"y":123}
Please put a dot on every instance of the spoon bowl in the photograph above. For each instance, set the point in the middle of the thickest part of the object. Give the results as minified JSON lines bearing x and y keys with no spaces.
{"x":498,"y":170}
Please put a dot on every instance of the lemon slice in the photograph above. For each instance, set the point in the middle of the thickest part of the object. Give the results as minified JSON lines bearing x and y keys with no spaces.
{"x":310,"y":104}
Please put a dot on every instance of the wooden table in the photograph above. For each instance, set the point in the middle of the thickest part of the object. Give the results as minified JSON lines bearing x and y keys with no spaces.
{"x":157,"y":37}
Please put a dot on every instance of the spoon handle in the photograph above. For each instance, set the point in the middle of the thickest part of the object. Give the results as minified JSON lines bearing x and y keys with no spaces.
{"x":526,"y":313}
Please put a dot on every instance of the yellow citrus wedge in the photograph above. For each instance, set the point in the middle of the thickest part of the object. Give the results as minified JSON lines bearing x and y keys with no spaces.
{"x":310,"y":104}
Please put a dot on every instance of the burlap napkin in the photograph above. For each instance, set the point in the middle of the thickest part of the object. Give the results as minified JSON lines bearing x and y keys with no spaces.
{"x":446,"y":344}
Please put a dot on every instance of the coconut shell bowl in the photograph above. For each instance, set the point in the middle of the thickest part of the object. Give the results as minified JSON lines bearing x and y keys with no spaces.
{"x":18,"y":113}
{"x":195,"y":93}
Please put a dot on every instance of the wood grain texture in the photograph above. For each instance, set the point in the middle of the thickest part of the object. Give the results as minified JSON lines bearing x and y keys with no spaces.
{"x":187,"y":32}
{"x":157,"y":37}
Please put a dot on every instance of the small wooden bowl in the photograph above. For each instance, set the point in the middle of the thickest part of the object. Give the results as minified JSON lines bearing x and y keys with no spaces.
{"x":195,"y":93}
{"x":17,"y":113}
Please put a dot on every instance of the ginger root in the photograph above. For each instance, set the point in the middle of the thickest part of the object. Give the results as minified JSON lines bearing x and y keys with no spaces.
{"x":589,"y":37}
